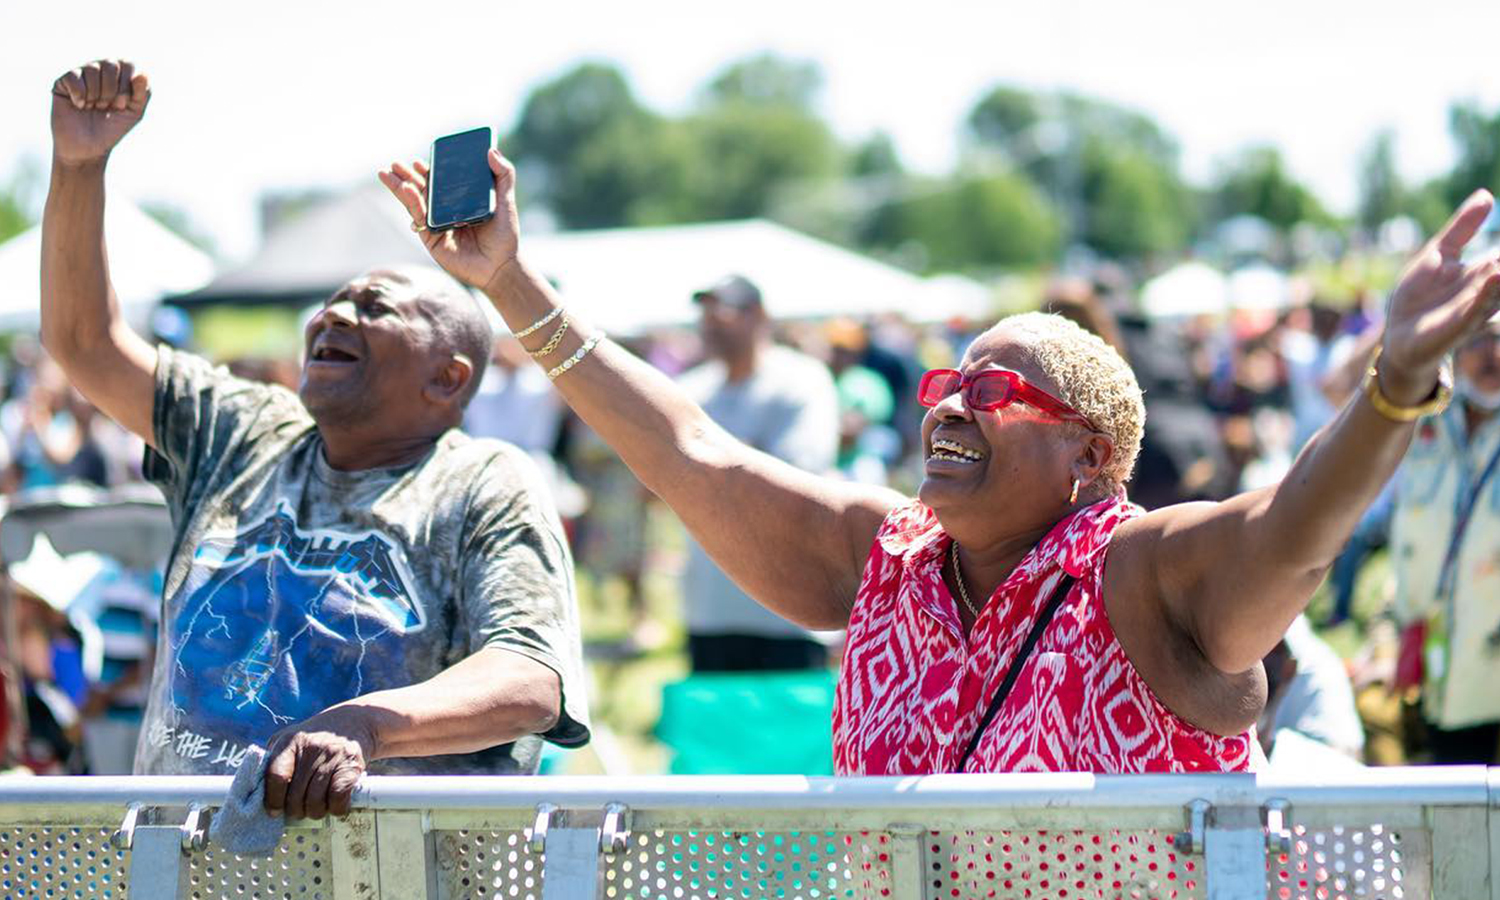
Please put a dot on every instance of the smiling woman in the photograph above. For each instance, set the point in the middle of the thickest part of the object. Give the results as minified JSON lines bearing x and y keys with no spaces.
{"x":1087,"y":634}
{"x":1098,"y":388}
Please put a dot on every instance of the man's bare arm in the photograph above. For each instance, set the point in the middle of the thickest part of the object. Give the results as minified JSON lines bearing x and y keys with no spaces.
{"x":490,"y":698}
{"x":93,"y":107}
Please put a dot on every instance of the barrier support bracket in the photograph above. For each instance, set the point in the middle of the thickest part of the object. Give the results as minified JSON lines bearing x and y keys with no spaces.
{"x":156,"y":861}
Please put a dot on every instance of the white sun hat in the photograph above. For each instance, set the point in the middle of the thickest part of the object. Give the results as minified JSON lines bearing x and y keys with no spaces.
{"x":55,"y":579}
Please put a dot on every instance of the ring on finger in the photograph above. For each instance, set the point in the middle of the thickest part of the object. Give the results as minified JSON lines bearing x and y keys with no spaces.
{"x":418,"y":227}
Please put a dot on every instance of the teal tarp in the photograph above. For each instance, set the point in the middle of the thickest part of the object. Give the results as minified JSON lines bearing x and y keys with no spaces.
{"x":762,"y":723}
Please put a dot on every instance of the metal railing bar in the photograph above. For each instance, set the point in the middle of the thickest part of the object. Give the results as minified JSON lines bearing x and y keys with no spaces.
{"x":1434,"y":786}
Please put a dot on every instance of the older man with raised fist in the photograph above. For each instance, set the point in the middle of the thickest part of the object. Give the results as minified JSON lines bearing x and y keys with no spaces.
{"x":356,"y":584}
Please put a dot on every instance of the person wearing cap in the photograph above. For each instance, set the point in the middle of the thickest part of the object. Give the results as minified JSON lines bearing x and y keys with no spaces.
{"x":780,"y":402}
{"x":356,"y":585}
{"x":1019,"y":613}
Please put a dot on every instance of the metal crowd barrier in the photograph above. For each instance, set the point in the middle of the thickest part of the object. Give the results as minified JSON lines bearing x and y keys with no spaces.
{"x":1380,"y":833}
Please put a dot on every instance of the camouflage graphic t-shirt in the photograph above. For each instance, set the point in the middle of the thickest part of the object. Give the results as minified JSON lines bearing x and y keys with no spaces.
{"x":294,"y":586}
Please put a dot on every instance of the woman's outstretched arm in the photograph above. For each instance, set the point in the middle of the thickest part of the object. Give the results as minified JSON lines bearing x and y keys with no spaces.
{"x":794,"y":541}
{"x":1234,"y":575}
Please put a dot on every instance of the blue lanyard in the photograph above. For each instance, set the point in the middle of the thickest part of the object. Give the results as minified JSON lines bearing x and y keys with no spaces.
{"x":1463,"y":508}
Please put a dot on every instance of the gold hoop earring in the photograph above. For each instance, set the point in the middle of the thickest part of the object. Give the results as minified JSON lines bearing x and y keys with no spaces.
{"x":1073,"y":497}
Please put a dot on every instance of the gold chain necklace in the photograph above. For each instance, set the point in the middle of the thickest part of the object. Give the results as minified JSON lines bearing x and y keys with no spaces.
{"x":958,"y":576}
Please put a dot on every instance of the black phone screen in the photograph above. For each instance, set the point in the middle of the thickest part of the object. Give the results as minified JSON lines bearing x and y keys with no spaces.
{"x":461,"y":187}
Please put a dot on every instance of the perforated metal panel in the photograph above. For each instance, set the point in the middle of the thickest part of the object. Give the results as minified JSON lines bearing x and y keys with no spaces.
{"x":743,"y":865}
{"x":60,"y":862}
{"x":1065,"y":865}
{"x":868,"y":857}
{"x":1340,"y":864}
{"x":484,"y":864}
{"x":298,"y":870}
{"x":681,"y":865}
{"x":1349,"y":863}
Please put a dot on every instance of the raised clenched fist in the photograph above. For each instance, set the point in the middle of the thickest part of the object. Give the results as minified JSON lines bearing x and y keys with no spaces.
{"x":93,"y":107}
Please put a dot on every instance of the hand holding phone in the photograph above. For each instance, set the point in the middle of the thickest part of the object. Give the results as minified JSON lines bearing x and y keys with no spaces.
{"x":460,"y":185}
{"x":473,"y":255}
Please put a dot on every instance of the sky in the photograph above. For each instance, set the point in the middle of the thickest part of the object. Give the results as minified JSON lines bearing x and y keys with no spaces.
{"x":321,"y":93}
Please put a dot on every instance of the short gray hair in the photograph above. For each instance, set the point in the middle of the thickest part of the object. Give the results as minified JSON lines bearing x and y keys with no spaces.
{"x":460,"y":325}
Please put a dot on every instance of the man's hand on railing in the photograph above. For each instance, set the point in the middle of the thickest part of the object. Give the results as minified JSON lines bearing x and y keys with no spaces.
{"x":315,"y":764}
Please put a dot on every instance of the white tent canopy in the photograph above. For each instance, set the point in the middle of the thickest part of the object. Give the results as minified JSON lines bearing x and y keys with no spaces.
{"x":631,"y":279}
{"x":1189,"y":289}
{"x":1259,"y":286}
{"x":146,"y":262}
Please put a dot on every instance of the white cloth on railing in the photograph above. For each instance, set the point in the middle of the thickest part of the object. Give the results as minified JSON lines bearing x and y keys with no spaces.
{"x":243,"y":826}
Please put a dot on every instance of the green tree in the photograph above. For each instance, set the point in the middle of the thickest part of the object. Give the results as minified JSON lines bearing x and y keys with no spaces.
{"x":875,"y":157}
{"x":1046,"y":133}
{"x":13,"y":218}
{"x":588,"y":147}
{"x":1257,"y":183}
{"x":766,"y":80}
{"x":1477,"y":137}
{"x":1135,"y":206}
{"x":20,"y":198}
{"x":596,"y":157}
{"x":752,"y":140}
{"x":1111,"y":170}
{"x":1381,"y":193}
{"x":970,"y":222}
{"x":1005,"y":118}
{"x":1429,"y":204}
{"x":740,"y":155}
{"x":566,"y":112}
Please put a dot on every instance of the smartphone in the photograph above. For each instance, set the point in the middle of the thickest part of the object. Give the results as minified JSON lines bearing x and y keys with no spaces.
{"x":460,"y":185}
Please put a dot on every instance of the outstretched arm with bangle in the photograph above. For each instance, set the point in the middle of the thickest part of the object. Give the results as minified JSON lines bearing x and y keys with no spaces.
{"x":736,"y":501}
{"x":1234,"y":575}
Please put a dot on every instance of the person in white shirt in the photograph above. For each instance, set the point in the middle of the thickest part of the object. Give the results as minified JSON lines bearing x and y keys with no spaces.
{"x":1446,"y":554}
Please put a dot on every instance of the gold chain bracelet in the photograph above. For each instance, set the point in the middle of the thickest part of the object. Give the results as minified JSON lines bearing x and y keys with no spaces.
{"x":578,"y":354}
{"x":540,"y":323}
{"x":552,"y":342}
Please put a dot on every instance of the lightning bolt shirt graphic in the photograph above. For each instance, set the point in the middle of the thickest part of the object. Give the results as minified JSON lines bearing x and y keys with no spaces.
{"x":276,"y":625}
{"x":295,"y":586}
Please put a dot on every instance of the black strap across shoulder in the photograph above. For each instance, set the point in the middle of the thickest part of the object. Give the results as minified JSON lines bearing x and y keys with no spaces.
{"x":1019,"y":663}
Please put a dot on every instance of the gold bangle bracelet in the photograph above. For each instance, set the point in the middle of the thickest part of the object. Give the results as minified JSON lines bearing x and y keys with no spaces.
{"x":553,"y":341}
{"x":1435,"y":403}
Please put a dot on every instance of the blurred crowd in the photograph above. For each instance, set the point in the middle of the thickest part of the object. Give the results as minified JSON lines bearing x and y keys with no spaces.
{"x":1230,"y":401}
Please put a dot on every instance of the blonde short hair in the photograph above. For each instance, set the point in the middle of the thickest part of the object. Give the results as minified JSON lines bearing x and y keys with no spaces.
{"x":1091,"y":377}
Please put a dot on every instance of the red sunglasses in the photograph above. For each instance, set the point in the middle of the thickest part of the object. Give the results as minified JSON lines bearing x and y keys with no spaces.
{"x":993,"y":389}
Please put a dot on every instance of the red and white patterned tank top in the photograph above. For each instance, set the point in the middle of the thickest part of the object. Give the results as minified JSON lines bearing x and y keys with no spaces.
{"x":912,"y":690}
